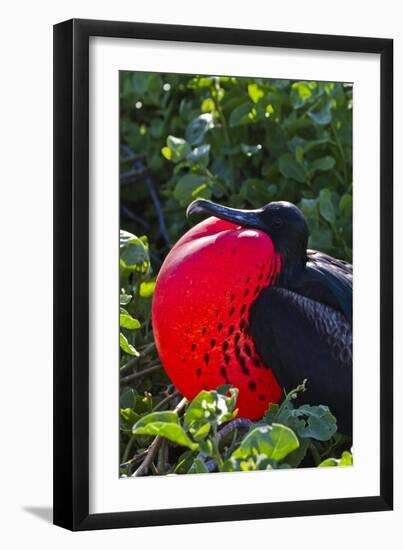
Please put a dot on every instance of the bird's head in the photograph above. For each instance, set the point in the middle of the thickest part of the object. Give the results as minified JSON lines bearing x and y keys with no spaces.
{"x":282,"y":221}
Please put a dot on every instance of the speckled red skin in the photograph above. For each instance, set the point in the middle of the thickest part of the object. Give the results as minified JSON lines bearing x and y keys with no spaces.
{"x":200,"y":312}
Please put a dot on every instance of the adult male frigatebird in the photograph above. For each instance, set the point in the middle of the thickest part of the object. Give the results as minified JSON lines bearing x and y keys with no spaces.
{"x":241,"y":300}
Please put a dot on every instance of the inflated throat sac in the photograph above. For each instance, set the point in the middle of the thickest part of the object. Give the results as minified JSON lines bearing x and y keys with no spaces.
{"x":200,"y":312}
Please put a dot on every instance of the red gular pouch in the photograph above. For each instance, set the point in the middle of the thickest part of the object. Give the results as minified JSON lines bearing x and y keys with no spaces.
{"x":200,"y":312}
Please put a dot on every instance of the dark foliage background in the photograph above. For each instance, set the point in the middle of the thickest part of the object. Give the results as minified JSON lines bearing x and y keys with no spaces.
{"x":243,"y":142}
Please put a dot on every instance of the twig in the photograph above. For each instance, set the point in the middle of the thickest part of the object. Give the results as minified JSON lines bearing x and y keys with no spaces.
{"x":154,"y":447}
{"x":166,"y":400}
{"x":137,"y":375}
{"x":130,"y":363}
{"x":128,"y":449}
{"x":162,"y":458}
{"x":133,"y":460}
{"x":133,"y":217}
{"x":157,"y":206}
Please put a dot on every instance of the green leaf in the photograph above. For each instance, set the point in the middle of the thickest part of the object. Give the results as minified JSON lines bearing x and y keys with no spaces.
{"x":126,"y":347}
{"x":345,"y":460}
{"x":300,"y":93}
{"x":128,"y":398}
{"x":191,"y":187}
{"x":258,"y":192}
{"x":274,"y":442}
{"x":127,"y":321}
{"x":324,"y":164}
{"x":326,"y":207}
{"x":319,"y":423}
{"x":198,"y":128}
{"x":321,"y":239}
{"x":291,"y":168}
{"x":134,"y":253}
{"x":176,"y":149}
{"x":165,"y":424}
{"x":147,"y":289}
{"x":321,"y":115}
{"x":200,"y":154}
{"x":346,"y":204}
{"x":128,"y":418}
{"x":310,"y":208}
{"x":208,"y":105}
{"x":255,"y":92}
{"x":329,"y":462}
{"x":124,"y":299}
{"x":241,"y":115}
{"x":184,"y":462}
{"x":198,"y":467}
{"x":210,"y":407}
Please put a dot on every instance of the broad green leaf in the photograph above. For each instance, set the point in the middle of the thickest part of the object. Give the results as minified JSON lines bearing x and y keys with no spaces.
{"x":321,"y":239}
{"x":300,"y":93}
{"x":128,"y":418}
{"x":198,"y":128}
{"x":176,"y":149}
{"x":126,"y":347}
{"x":321,"y":115}
{"x":184,"y":462}
{"x":318,"y":423}
{"x":124,"y":299}
{"x":291,"y":169}
{"x":310,"y":208}
{"x":210,"y":407}
{"x":191,"y":187}
{"x":128,"y":398}
{"x":273,"y":442}
{"x":165,"y":424}
{"x":346,"y":204}
{"x":127,"y":321}
{"x":345,"y":460}
{"x":134,"y":252}
{"x":255,"y":92}
{"x":241,"y":115}
{"x":198,"y":467}
{"x":326,"y":207}
{"x":208,"y":105}
{"x":257,"y":192}
{"x":200,"y":154}
{"x":147,"y":289}
{"x":329,"y":462}
{"x":323,"y":164}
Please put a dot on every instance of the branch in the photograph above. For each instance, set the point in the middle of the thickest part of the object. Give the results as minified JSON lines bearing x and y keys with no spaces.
{"x":166,"y":400}
{"x":154,"y":447}
{"x":137,"y":375}
{"x":157,"y":206}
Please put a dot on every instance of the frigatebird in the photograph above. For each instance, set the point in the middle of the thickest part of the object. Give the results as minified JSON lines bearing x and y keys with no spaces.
{"x":286,"y":318}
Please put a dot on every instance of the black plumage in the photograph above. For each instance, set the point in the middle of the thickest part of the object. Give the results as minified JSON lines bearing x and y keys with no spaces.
{"x":304,"y":333}
{"x":302,"y":324}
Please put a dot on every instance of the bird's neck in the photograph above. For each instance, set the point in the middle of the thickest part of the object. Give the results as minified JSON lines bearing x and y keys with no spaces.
{"x":291,"y":268}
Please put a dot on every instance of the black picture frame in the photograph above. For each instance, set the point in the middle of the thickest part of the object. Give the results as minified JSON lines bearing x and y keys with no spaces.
{"x":71,"y":274}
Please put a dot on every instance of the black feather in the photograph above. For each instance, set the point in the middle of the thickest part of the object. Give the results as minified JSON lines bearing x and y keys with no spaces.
{"x":298,"y":338}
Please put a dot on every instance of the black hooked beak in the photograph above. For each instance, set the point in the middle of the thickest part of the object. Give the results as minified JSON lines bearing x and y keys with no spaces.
{"x":245,"y":218}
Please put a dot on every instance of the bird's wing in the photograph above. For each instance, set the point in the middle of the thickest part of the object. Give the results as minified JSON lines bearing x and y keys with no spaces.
{"x":299,"y":338}
{"x":328,"y":281}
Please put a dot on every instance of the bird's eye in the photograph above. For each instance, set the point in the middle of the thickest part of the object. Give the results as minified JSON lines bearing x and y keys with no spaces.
{"x":277,"y":223}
